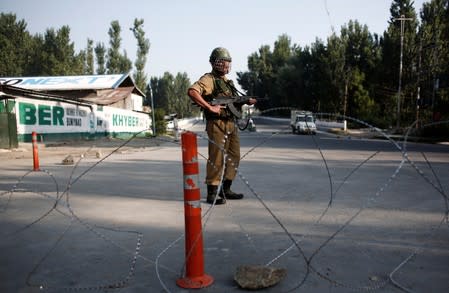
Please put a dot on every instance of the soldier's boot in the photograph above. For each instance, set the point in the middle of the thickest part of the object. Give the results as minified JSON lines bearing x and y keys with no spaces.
{"x":212,"y":194}
{"x":227,"y":193}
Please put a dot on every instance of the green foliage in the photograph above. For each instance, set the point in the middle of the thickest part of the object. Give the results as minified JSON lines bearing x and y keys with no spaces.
{"x":100,"y":52}
{"x":159,"y":88}
{"x":143,"y":46}
{"x":113,"y":63}
{"x":125,"y":64}
{"x":161,"y":124}
{"x":117,"y":62}
{"x":179,"y":102}
{"x":170,"y":94}
{"x":57,"y":55}
{"x":23,"y":54}
{"x":89,"y":68}
{"x":356,"y":73}
{"x":434,"y":53}
{"x":362,"y":105}
{"x":353,"y":72}
{"x":15,"y":43}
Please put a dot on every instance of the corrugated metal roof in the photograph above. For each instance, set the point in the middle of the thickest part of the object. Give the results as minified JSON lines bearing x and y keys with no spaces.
{"x":108,"y":97}
{"x":73,"y":83}
{"x":12,"y":91}
{"x":100,"y":97}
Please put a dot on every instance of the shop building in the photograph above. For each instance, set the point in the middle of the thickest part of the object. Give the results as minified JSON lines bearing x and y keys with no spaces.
{"x":70,"y":107}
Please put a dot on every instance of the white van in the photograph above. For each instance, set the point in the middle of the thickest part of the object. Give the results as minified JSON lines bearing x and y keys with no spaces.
{"x":302,"y":122}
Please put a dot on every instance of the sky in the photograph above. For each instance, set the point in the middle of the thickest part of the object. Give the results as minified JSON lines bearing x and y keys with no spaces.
{"x":183,"y":33}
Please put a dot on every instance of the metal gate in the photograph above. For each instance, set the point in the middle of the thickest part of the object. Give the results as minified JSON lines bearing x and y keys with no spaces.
{"x":8,"y":125}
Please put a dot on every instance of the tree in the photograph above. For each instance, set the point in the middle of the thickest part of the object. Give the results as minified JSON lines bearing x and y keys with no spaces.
{"x":434,"y":55}
{"x":100,"y":52}
{"x":50,"y":54}
{"x":113,"y":62}
{"x":339,"y":77}
{"x":117,"y":63}
{"x":282,"y":52}
{"x":361,"y":105}
{"x":160,"y":90}
{"x":178,"y":101}
{"x":322,"y":78}
{"x":360,"y":60}
{"x":285,"y":86}
{"x":34,"y":65}
{"x":170,"y":94}
{"x":261,"y":78}
{"x":125,"y":64}
{"x":15,"y":44}
{"x":391,"y":61}
{"x":89,"y":57}
{"x":58,"y":54}
{"x":143,"y":46}
{"x":160,"y":123}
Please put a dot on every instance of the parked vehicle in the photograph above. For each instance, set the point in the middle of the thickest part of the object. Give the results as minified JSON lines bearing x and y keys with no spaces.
{"x":302,"y":122}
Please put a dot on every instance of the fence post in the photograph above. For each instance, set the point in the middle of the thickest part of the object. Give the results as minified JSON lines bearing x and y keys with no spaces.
{"x":194,"y":261}
{"x":35,"y":152}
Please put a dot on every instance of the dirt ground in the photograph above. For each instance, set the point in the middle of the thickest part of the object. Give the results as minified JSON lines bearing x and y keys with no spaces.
{"x":78,"y":148}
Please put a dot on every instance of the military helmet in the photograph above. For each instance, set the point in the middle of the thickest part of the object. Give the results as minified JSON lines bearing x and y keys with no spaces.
{"x":220,"y":59}
{"x":220,"y":53}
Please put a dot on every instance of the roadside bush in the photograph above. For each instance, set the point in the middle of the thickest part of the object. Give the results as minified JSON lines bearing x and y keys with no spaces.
{"x":161,"y":124}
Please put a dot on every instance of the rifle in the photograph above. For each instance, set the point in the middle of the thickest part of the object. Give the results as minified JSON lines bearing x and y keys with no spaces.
{"x":230,"y":103}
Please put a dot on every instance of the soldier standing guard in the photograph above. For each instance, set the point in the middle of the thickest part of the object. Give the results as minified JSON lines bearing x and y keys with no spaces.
{"x":224,"y":141}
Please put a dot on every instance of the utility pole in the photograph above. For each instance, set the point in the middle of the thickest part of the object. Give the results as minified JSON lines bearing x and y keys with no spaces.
{"x":418,"y":97}
{"x":398,"y":108}
{"x":153,"y":122}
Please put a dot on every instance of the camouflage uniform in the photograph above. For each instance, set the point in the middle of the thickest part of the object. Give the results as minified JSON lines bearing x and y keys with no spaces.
{"x":221,"y":130}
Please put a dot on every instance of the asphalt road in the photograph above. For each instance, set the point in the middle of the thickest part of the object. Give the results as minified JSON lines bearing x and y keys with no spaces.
{"x":340,"y":213}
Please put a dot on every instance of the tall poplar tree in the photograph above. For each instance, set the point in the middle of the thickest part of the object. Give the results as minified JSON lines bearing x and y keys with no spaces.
{"x":89,"y":57}
{"x":143,"y":46}
{"x":100,"y":52}
{"x":117,"y":62}
{"x":113,"y":63}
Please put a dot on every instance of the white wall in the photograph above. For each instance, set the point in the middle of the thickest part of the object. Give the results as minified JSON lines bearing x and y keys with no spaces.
{"x":59,"y":117}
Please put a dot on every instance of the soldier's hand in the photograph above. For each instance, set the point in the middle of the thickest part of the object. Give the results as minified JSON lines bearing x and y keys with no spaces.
{"x":215,"y":109}
{"x":252,"y":101}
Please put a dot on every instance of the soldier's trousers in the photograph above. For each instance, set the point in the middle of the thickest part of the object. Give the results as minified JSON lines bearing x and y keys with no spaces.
{"x":224,"y":142}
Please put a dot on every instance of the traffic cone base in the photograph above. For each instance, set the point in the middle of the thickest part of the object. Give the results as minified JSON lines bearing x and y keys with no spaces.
{"x":196,"y":282}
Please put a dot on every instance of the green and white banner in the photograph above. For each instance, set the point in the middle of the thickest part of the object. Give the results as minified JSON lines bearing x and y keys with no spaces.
{"x":55,"y":117}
